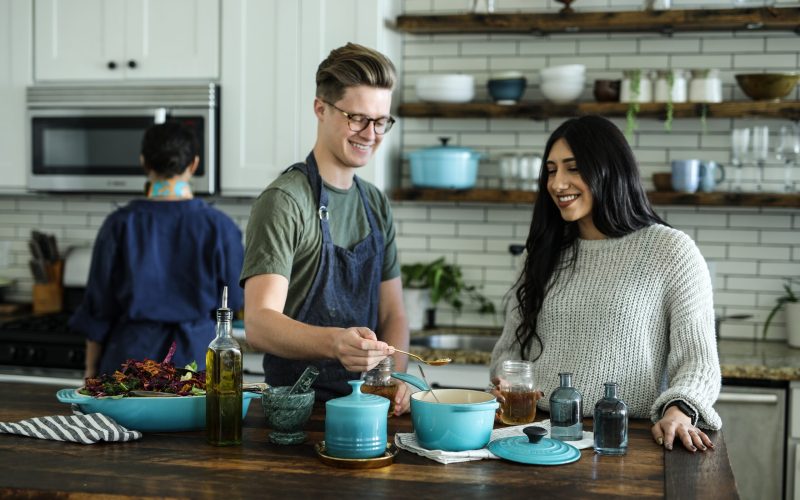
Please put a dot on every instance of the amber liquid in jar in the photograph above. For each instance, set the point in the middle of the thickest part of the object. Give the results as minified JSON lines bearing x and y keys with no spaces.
{"x":386,"y":391}
{"x":379,"y":381}
{"x":519,"y":407}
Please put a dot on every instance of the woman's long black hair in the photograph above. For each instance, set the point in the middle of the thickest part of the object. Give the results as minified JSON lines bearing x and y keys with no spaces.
{"x":619,"y":207}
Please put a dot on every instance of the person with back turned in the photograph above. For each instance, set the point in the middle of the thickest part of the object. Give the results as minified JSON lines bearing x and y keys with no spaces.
{"x":159,"y":265}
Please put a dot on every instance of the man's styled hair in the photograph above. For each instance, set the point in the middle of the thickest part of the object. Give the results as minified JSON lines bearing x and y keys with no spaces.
{"x":350,"y":66}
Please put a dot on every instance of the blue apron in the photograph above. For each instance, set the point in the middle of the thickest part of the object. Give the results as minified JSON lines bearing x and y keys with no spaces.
{"x":344,"y":293}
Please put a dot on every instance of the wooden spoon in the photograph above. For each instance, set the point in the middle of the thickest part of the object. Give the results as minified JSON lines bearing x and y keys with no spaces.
{"x":432,"y":362}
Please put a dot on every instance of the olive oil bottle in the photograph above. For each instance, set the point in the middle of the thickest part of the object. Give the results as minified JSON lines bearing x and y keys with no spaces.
{"x":224,"y":383}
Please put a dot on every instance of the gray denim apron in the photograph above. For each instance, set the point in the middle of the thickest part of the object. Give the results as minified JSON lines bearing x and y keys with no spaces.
{"x":344,"y":293}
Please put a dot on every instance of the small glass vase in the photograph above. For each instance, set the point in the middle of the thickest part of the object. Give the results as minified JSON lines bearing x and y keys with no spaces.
{"x":611,"y":423}
{"x":566,"y":411}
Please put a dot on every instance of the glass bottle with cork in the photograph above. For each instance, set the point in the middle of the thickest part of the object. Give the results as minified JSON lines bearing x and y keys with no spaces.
{"x":566,"y":411}
{"x":224,"y":382}
{"x":379,"y":381}
{"x":611,"y":423}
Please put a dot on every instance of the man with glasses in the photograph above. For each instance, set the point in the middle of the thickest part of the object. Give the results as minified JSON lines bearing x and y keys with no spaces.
{"x":320,"y":275}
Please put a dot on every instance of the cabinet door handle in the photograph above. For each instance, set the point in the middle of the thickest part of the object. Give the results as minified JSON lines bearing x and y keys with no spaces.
{"x":132,"y":64}
{"x":111,"y":65}
{"x":750,"y":397}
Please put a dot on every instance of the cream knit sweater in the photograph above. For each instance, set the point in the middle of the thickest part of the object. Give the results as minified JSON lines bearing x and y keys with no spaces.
{"x":638,"y":310}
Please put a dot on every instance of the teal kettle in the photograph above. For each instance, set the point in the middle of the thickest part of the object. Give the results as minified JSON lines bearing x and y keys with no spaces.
{"x":355,"y":425}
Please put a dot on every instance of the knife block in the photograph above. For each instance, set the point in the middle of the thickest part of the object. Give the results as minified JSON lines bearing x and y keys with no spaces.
{"x":49,"y":297}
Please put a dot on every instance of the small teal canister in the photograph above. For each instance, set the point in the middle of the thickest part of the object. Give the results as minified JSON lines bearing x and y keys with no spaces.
{"x":355,"y":425}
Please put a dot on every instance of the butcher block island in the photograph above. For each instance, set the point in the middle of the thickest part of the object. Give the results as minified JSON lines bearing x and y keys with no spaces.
{"x":182,"y":465}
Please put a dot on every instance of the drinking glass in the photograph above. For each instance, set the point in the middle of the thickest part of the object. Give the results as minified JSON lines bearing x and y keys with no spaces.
{"x":740,"y":143}
{"x":509,"y":171}
{"x":788,"y":151}
{"x":760,"y":153}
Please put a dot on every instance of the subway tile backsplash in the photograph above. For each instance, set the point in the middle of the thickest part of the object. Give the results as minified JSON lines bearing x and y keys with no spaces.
{"x":751,"y":249}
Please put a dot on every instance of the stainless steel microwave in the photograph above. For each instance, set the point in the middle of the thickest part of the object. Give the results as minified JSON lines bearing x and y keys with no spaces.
{"x":87,"y":138}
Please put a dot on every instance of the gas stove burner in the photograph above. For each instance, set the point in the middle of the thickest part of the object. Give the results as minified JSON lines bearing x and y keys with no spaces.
{"x":41,"y":341}
{"x":48,"y":323}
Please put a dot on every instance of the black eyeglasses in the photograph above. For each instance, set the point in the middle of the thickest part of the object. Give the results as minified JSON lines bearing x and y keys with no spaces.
{"x":358,"y":123}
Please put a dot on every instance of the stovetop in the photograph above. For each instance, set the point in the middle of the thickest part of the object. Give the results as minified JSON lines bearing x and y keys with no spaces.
{"x":41,"y":341}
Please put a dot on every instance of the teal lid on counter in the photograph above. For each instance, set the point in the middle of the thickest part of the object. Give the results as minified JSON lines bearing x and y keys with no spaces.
{"x":534,"y":448}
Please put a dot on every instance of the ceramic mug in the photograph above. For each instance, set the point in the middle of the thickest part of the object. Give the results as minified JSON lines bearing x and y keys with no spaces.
{"x":686,"y":175}
{"x":711,"y":175}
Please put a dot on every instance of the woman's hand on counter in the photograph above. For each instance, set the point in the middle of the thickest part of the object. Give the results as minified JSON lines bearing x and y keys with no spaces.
{"x":402,"y":400}
{"x":675,"y":425}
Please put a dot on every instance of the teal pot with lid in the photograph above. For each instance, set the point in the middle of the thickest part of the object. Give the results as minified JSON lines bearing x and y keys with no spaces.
{"x":355,"y":425}
{"x":461,"y":419}
{"x":444,"y":167}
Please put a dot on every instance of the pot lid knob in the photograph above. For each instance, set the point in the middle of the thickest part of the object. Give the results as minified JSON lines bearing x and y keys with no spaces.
{"x":444,"y":140}
{"x":534,"y":433}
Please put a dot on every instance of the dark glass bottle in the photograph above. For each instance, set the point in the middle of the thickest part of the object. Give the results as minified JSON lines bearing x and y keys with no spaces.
{"x":224,"y":383}
{"x":611,"y":423}
{"x":566,"y":411}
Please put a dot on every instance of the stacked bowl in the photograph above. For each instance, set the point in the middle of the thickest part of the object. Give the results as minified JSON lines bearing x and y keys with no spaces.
{"x":506,"y":87}
{"x":445,"y":88}
{"x":563,"y":84}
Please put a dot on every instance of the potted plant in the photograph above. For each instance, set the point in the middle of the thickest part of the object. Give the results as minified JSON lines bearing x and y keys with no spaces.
{"x":791,"y":302}
{"x":426,"y":284}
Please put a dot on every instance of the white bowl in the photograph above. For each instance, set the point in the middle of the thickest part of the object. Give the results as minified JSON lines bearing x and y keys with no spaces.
{"x":560,"y":92}
{"x":446,"y":88}
{"x":567,"y":80}
{"x":565,"y":71}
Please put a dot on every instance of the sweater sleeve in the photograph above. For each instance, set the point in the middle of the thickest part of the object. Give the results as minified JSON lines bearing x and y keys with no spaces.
{"x":692,"y":362}
{"x":506,"y":346}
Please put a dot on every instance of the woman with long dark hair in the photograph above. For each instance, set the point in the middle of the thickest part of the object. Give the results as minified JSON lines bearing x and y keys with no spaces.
{"x":610,"y":292}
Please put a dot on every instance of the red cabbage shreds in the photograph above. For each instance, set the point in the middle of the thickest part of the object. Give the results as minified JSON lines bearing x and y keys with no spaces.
{"x":147,"y":375}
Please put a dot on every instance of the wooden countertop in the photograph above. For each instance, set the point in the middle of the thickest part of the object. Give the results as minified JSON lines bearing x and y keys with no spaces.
{"x":182,"y":465}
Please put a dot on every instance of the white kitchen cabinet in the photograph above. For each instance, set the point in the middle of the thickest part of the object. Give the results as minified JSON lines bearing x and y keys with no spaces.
{"x":753,"y":420}
{"x":16,"y":34}
{"x":270,"y":53}
{"x":90,"y":40}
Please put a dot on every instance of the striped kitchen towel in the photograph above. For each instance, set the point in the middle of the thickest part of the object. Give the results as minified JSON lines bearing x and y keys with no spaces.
{"x":84,"y":429}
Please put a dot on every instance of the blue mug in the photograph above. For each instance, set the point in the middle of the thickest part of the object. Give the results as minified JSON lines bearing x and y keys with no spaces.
{"x":711,"y":174}
{"x":686,"y":175}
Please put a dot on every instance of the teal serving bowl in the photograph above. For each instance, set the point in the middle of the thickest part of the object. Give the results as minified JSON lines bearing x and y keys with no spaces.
{"x":153,"y":414}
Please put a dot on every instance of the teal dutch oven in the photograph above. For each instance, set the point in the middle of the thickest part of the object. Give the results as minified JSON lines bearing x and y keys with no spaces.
{"x":444,"y":167}
{"x":462,"y":419}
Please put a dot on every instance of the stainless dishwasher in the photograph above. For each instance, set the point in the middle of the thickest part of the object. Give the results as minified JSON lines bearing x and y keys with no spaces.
{"x":754,"y":426}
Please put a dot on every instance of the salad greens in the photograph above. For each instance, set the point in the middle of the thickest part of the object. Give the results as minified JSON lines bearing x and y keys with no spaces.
{"x":148,"y":375}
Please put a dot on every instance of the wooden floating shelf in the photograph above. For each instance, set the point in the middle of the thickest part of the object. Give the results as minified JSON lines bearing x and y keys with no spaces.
{"x":541,"y":110}
{"x":504,"y":196}
{"x":665,"y":21}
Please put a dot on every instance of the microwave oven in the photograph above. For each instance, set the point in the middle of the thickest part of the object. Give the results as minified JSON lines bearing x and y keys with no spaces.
{"x":87,"y":138}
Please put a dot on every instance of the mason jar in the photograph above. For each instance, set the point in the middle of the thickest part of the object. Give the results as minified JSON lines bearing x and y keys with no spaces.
{"x":379,"y":381}
{"x":518,"y":392}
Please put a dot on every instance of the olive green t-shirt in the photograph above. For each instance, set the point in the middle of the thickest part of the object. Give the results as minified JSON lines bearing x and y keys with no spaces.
{"x":284,"y":235}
